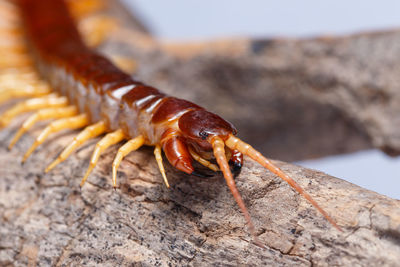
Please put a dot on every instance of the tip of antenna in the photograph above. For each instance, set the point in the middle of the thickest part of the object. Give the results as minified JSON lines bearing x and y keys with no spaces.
{"x":337,"y":227}
{"x":235,"y":143}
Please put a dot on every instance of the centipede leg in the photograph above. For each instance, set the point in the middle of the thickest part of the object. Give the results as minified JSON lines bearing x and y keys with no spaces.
{"x":107,"y":141}
{"x":89,"y":132}
{"x":15,"y":60}
{"x":12,"y":79}
{"x":23,"y":92}
{"x":50,"y":113}
{"x":32,"y":104}
{"x":157,"y":154}
{"x":58,"y":125}
{"x":203,"y":161}
{"x":124,"y":150}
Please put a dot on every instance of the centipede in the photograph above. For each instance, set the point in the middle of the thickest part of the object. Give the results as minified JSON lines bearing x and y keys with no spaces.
{"x":82,"y":89}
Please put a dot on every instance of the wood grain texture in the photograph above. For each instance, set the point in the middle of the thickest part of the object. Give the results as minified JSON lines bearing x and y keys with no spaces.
{"x":294,"y":99}
{"x":47,"y":220}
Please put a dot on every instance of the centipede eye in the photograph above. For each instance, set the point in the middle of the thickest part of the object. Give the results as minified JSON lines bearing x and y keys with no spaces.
{"x":203,"y":135}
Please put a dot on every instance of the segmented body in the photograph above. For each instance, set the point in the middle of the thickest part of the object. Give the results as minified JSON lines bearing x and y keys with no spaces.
{"x":92,"y":91}
{"x":91,"y":82}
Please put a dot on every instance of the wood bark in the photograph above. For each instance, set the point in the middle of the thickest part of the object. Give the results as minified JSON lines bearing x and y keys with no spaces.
{"x":294,"y":99}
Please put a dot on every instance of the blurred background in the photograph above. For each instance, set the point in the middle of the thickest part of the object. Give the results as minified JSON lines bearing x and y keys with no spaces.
{"x":203,"y":20}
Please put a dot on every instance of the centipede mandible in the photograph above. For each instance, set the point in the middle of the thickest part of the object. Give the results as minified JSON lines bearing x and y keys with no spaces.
{"x":83,"y":89}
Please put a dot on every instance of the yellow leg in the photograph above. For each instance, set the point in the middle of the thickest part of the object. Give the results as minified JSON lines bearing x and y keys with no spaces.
{"x":58,"y":125}
{"x":107,"y":141}
{"x":23,"y":92}
{"x":124,"y":150}
{"x":89,"y":132}
{"x":44,"y":114}
{"x":48,"y":101}
{"x":202,"y":161}
{"x":25,"y":74}
{"x":12,"y":48}
{"x":12,"y":79}
{"x":157,"y":154}
{"x":15,"y":61}
{"x":8,"y":11}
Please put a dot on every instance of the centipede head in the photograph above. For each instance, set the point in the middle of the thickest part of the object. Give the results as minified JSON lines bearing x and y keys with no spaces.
{"x":199,"y":125}
{"x":208,"y":133}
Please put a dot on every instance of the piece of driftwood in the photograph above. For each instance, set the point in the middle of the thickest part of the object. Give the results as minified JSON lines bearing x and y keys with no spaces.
{"x":296,"y":99}
{"x":47,"y":220}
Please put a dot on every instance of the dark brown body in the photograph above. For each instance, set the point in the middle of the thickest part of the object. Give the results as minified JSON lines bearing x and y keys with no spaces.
{"x":104,"y":92}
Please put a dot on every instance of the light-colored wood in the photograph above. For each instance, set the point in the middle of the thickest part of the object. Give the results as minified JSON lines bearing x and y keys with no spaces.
{"x":195,"y":222}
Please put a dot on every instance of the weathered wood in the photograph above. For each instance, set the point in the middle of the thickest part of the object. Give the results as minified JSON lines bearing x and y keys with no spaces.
{"x":303,"y":98}
{"x":47,"y":220}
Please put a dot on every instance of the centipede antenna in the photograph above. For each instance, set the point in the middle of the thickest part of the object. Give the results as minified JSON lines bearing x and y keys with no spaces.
{"x":124,"y":150}
{"x":157,"y":154}
{"x":75,"y":122}
{"x":219,"y":153}
{"x":50,"y":113}
{"x":203,"y":161}
{"x":89,"y":132}
{"x":32,"y":104}
{"x":107,"y":141}
{"x":235,"y":143}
